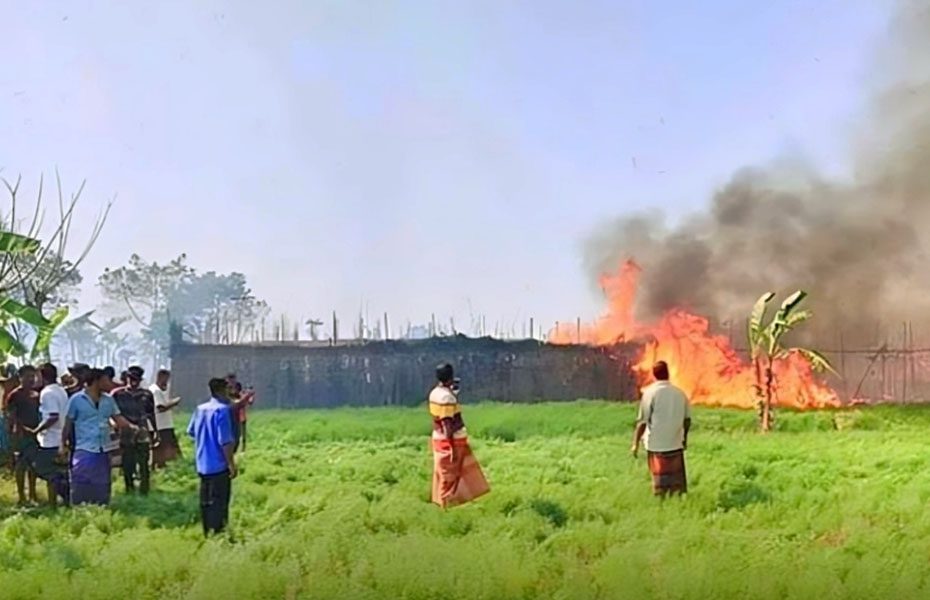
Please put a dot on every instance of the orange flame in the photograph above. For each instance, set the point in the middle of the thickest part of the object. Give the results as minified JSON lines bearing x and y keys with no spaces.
{"x":704,"y":365}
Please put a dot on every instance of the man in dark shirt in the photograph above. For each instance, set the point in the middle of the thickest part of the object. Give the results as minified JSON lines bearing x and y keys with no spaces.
{"x":22,"y":407}
{"x":137,"y":405}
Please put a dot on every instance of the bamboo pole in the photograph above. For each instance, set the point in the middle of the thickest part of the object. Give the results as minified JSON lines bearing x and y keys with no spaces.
{"x":906,"y":361}
{"x":912,"y":363}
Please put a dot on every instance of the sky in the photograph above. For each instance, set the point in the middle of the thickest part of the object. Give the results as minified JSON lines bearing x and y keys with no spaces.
{"x":416,"y":157}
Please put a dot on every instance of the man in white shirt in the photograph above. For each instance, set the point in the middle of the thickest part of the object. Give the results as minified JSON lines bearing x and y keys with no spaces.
{"x":664,"y":419}
{"x":53,"y":403}
{"x":167,"y":448}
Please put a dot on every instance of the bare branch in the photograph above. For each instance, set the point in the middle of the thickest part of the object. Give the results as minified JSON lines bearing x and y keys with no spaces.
{"x":39,"y":275}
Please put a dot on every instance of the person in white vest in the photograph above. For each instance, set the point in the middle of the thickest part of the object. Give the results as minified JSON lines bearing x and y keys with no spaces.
{"x":167,"y":449}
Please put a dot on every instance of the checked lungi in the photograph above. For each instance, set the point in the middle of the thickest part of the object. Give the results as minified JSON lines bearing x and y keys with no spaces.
{"x":668,"y":472}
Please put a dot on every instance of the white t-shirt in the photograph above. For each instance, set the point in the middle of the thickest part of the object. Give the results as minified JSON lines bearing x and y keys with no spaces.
{"x":53,"y":400}
{"x":163,"y":420}
{"x":664,"y":409}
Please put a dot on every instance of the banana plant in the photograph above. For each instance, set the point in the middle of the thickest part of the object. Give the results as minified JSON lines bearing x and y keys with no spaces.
{"x":767,"y":347}
{"x":12,"y":311}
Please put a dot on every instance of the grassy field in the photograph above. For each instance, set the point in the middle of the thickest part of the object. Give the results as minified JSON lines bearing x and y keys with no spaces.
{"x":334,"y":505}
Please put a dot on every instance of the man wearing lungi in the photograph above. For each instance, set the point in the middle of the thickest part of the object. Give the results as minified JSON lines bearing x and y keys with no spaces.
{"x":664,"y":420}
{"x":87,"y":423}
{"x":457,"y":476}
{"x":137,"y":405}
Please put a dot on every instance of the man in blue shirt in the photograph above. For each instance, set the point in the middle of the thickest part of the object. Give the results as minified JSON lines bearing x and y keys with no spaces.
{"x":87,"y":425}
{"x":214,"y":450}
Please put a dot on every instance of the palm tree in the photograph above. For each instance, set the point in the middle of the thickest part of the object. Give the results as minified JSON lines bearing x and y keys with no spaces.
{"x":766,"y":347}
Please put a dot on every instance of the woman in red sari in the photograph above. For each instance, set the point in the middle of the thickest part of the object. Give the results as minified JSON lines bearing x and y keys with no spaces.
{"x":457,"y":477}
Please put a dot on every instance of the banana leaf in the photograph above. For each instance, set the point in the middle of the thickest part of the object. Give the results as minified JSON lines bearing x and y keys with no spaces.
{"x":44,"y":335}
{"x":13,"y":243}
{"x":756,"y":320}
{"x":818,"y":361}
{"x":9,"y":345}
{"x":796,"y":318}
{"x":21,"y":312}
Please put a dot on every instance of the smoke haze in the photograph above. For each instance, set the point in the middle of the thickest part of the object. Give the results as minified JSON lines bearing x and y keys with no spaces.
{"x":859,"y":246}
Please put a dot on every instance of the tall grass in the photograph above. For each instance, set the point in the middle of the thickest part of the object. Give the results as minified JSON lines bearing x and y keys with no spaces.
{"x":334,"y":504}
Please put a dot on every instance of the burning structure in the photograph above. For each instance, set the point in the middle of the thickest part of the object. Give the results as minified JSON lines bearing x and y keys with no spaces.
{"x":703,"y":364}
{"x":859,"y":244}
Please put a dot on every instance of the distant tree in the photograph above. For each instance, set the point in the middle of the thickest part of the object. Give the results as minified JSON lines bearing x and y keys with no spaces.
{"x":766,"y":344}
{"x":206,"y":308}
{"x":95,"y":343}
{"x":142,"y":291}
{"x":216,"y":308}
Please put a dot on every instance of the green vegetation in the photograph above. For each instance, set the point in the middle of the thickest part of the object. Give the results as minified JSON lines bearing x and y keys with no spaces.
{"x":766,"y":345}
{"x":333,"y":504}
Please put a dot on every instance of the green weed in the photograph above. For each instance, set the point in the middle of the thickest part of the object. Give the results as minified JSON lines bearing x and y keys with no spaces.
{"x":335,"y":504}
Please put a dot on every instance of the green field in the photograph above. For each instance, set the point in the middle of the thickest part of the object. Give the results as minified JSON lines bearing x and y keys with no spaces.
{"x":333,"y":504}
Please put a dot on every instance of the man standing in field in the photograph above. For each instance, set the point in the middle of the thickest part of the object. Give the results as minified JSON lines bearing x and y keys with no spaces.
{"x":87,"y":434}
{"x":665,"y":419}
{"x":53,"y":402}
{"x":211,"y":427}
{"x":241,"y":401}
{"x":457,"y":476}
{"x":10,"y":381}
{"x":167,"y":448}
{"x":23,"y":412}
{"x":137,"y":405}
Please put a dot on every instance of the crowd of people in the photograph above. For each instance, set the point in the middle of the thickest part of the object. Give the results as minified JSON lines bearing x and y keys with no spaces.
{"x":72,"y":431}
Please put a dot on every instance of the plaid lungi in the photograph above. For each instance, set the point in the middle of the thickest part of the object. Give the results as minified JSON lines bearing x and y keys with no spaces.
{"x":668,"y":472}
{"x":456,"y":481}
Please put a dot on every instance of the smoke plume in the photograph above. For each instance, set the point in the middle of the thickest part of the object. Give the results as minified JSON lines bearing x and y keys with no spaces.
{"x":859,"y":246}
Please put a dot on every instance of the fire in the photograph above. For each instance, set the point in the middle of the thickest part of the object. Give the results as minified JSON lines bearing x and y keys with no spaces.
{"x":703,"y":364}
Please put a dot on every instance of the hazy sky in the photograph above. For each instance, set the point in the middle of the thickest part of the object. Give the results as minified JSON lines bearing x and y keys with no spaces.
{"x":416,"y":157}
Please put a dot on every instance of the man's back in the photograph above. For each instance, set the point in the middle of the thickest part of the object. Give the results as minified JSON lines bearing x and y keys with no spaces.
{"x":664,"y":409}
{"x":211,"y":428}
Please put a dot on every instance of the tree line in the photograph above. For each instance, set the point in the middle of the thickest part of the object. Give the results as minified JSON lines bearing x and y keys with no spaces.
{"x":144,"y":302}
